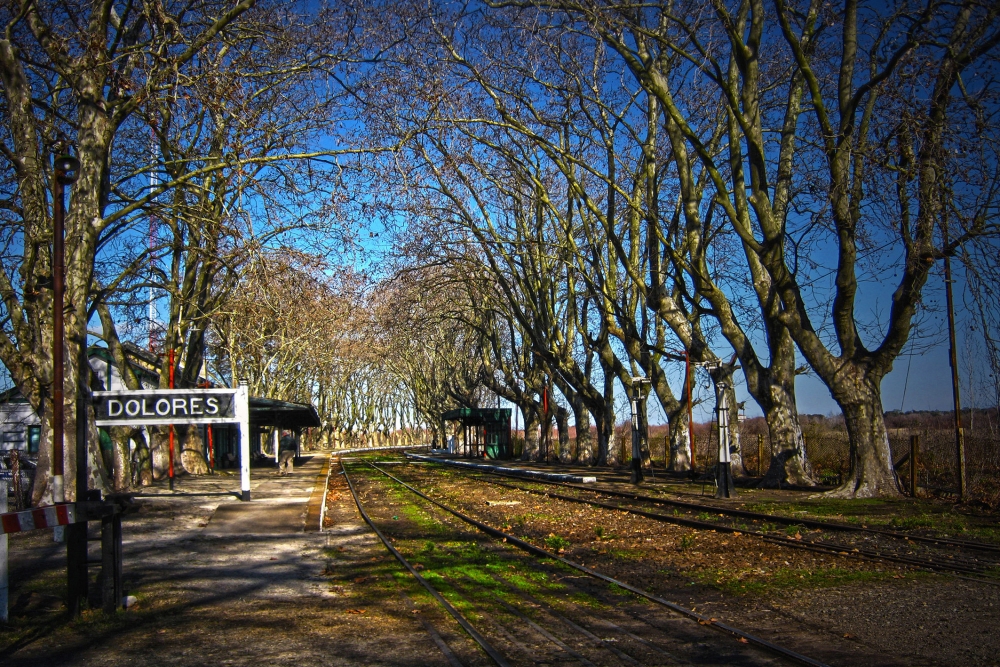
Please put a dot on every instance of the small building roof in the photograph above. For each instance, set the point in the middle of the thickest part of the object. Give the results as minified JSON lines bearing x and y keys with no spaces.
{"x":283,"y":414}
{"x":478,"y":416}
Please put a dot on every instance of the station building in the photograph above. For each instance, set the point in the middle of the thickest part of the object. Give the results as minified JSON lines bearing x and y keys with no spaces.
{"x":20,"y":426}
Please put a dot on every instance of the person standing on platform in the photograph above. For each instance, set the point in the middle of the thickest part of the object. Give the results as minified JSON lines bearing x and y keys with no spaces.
{"x":286,"y":453}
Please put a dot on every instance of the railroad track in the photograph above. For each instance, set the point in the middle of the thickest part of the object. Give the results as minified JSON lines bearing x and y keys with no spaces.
{"x":890,"y":546}
{"x":519,"y":628}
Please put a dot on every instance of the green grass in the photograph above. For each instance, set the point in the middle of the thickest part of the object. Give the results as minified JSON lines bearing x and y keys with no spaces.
{"x":788,"y":578}
{"x":905,"y":514}
{"x":556,"y":542}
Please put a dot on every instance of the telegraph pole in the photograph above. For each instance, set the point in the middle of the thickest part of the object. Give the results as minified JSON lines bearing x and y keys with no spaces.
{"x":724,"y":487}
{"x":638,"y":383}
{"x":953,"y":359}
{"x":65,"y":167}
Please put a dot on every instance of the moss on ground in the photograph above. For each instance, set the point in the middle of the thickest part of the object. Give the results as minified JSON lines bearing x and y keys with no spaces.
{"x":784,"y":578}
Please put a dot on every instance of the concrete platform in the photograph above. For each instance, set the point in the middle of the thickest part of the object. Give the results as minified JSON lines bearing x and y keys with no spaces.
{"x":279,"y":505}
{"x":223,"y":582}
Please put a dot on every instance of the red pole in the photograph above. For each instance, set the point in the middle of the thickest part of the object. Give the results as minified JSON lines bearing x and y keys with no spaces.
{"x":211,"y":452}
{"x":170,"y":470}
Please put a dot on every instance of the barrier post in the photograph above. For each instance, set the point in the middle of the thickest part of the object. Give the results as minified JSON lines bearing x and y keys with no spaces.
{"x":243,"y":415}
{"x":112,"y":592}
{"x":4,"y":584}
{"x":760,"y":454}
{"x":76,"y":534}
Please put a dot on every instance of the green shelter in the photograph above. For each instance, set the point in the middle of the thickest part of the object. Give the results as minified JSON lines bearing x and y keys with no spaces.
{"x":485,"y":431}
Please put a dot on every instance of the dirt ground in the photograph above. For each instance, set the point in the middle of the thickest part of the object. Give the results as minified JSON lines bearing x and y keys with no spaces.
{"x":841,"y":610}
{"x":214,"y":591}
{"x":209,"y":597}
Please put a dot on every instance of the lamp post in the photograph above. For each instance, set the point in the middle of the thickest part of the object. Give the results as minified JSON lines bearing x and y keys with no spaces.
{"x":638,"y":383}
{"x":65,"y":168}
{"x":724,"y":487}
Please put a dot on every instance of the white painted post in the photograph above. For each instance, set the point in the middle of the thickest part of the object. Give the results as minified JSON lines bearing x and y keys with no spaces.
{"x":242,"y":399}
{"x":275,"y":437}
{"x":4,"y":586}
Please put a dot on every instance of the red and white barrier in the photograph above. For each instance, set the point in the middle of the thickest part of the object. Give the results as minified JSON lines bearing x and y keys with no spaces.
{"x":36,"y":519}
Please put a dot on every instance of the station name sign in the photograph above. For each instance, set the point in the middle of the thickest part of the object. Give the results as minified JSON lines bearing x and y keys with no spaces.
{"x":165,"y":406}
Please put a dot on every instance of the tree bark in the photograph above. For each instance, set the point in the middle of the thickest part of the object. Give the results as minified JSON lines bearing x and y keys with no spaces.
{"x":871,"y":474}
{"x":530,"y":451}
{"x":679,"y":454}
{"x":789,"y":464}
{"x":192,"y":449}
{"x":584,"y":438}
{"x":562,"y":423}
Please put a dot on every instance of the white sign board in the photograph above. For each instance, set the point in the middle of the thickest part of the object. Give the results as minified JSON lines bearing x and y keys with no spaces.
{"x":151,"y":407}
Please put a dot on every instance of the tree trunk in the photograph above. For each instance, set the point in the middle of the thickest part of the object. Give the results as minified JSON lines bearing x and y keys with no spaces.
{"x":159,"y":451}
{"x":562,"y":423}
{"x":530,"y":452}
{"x":96,"y":478}
{"x":584,"y":438}
{"x":193,"y":451}
{"x":871,"y":474}
{"x":606,"y":424}
{"x":789,"y":464}
{"x":41,"y":486}
{"x":644,"y":453}
{"x":735,"y":454}
{"x":679,"y":454}
{"x":122,"y":468}
{"x":601,"y":458}
{"x":143,"y":461}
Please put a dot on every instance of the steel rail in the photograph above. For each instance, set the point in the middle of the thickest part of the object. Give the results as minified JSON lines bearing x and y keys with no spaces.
{"x":747,"y":514}
{"x":760,"y":516}
{"x":810,"y":545}
{"x":792,"y":521}
{"x":542,"y":553}
{"x":479,"y":639}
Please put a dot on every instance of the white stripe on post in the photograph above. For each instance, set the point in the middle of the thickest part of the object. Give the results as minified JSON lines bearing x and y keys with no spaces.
{"x":4,"y":586}
{"x":243,"y":415}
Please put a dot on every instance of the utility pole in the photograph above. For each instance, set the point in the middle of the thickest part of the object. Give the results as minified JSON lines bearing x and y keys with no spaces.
{"x":724,"y":487}
{"x":953,"y":358}
{"x":66,"y":168}
{"x":638,"y":384}
{"x":690,"y":405}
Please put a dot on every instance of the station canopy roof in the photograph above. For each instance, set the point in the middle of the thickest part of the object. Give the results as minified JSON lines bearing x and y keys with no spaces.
{"x":282,"y":414}
{"x":478,"y":416}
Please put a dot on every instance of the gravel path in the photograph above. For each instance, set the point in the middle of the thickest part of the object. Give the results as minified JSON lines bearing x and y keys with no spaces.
{"x":209,"y":594}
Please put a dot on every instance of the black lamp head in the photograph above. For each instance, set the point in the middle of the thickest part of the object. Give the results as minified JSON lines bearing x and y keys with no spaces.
{"x":67,"y":168}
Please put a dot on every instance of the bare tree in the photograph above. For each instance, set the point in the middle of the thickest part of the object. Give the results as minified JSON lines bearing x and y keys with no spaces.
{"x":79,"y":70}
{"x":853,"y":163}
